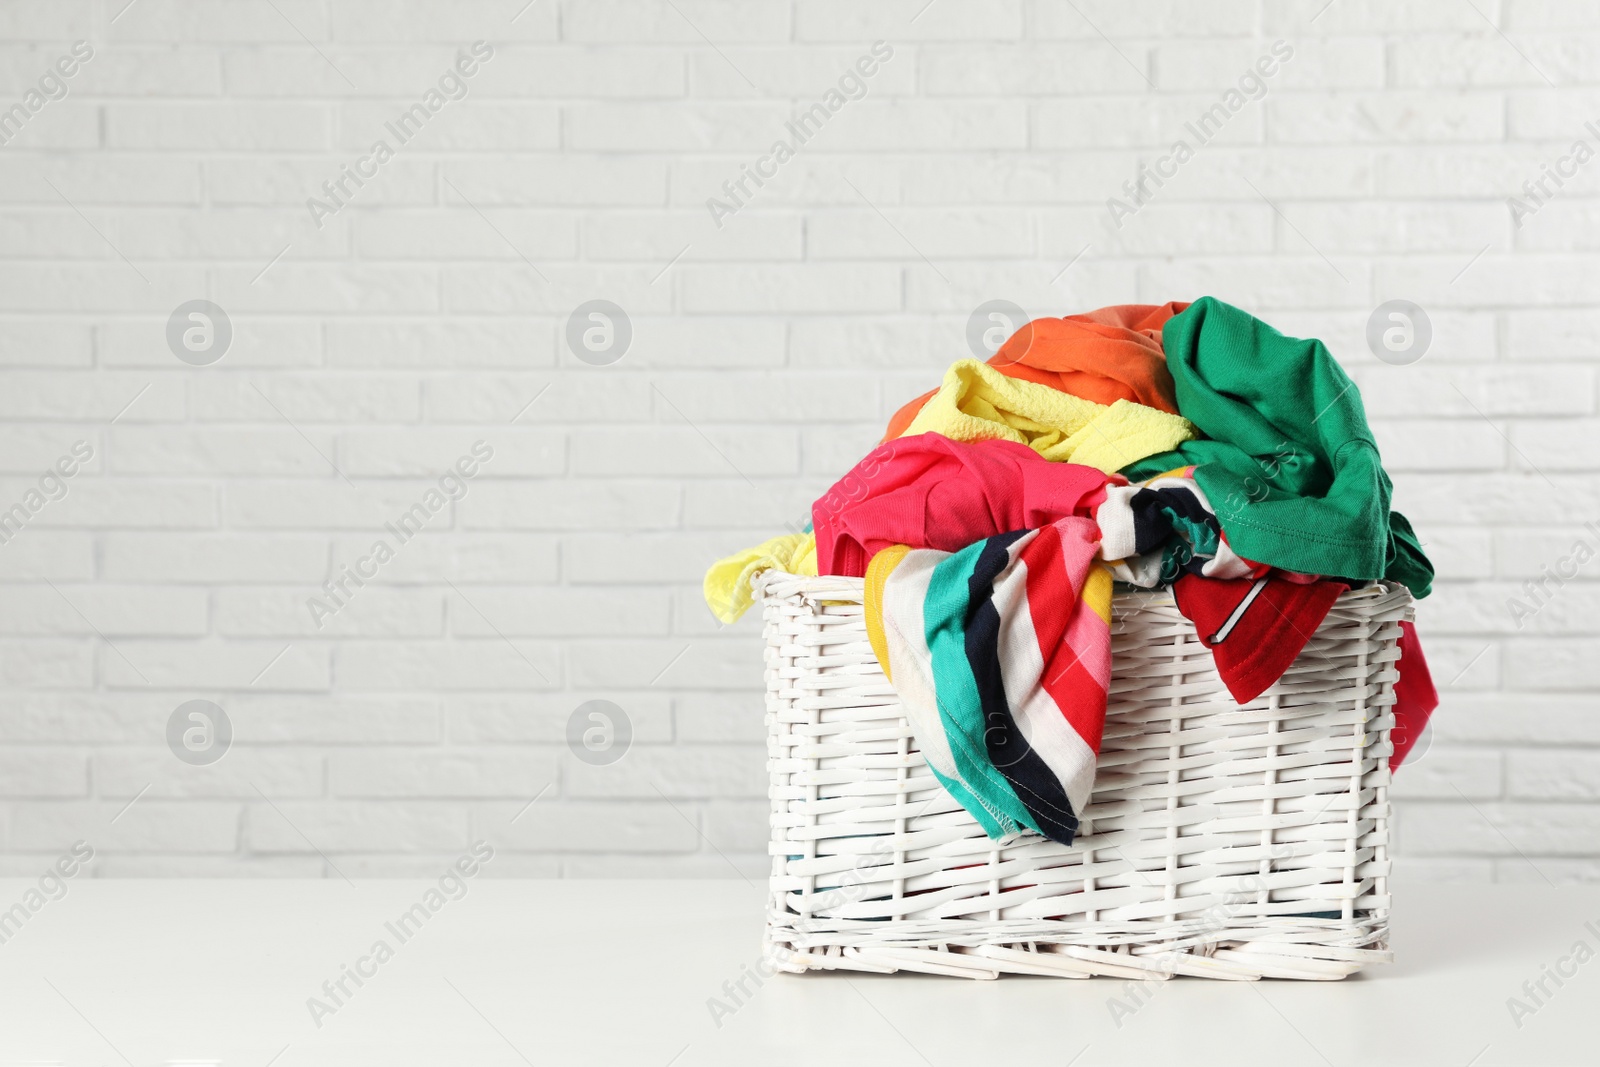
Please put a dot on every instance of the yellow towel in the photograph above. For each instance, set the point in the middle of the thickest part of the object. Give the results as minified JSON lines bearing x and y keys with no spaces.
{"x":727,"y":584}
{"x":978,"y":403}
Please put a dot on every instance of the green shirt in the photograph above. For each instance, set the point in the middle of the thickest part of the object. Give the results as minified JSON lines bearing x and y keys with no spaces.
{"x":1289,"y":466}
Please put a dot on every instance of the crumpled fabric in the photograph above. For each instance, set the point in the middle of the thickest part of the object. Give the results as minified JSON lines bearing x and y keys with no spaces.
{"x":1106,"y":355}
{"x":928,"y":491}
{"x":1255,"y":629}
{"x":1153,"y":532}
{"x":978,"y":403}
{"x":727,"y":585}
{"x":1001,"y":656}
{"x":1289,"y":463}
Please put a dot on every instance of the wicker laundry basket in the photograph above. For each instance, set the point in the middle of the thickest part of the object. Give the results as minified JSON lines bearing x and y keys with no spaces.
{"x":1222,"y":841}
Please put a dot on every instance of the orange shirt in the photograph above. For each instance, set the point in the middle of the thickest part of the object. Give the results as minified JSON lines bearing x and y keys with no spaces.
{"x":1107,"y":355}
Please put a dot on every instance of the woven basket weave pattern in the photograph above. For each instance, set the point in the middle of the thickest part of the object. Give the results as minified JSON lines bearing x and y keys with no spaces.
{"x":1222,"y":841}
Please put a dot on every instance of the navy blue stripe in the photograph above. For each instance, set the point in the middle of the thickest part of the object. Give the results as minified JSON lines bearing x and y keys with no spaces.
{"x":1151,"y":523}
{"x":1035,"y":784}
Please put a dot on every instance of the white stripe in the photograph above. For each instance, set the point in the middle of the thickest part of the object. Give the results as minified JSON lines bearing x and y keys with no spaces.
{"x":905,"y":596}
{"x":1238,"y":612}
{"x":1115,"y":516}
{"x":1143,"y":571}
{"x":1037,"y":715}
{"x":1226,"y":563}
{"x":910,"y":660}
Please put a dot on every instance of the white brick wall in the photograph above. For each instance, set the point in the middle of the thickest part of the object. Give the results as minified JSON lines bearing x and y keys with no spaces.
{"x":431,"y":312}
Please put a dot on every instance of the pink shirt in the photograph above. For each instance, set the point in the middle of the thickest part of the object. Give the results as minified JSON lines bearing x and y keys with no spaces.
{"x":928,"y":491}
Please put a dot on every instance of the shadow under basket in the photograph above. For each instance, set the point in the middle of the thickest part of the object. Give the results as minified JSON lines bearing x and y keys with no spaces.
{"x":1222,"y":841}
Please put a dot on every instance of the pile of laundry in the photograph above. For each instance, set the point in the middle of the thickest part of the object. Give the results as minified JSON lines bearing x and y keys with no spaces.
{"x":1188,"y":447}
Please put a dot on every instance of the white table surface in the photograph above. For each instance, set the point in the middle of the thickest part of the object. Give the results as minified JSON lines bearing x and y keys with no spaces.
{"x":546,"y":972}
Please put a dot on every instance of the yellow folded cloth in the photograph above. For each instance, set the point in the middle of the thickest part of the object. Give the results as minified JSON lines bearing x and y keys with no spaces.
{"x":978,"y":403}
{"x":727,"y":584}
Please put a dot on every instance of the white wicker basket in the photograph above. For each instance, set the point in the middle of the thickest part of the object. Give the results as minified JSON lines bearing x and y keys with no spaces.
{"x":1223,"y":841}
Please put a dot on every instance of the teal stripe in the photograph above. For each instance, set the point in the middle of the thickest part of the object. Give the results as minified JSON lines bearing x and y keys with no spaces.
{"x":955,"y":689}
